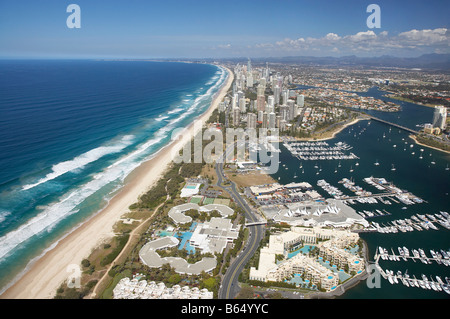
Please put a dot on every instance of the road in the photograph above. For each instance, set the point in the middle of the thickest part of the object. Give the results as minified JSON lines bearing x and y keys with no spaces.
{"x":230,"y":288}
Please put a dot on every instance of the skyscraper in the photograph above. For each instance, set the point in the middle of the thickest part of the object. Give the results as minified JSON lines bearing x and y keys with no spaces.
{"x":264,"y":120}
{"x":292,"y":110}
{"x":260,"y":89}
{"x":251,"y":120}
{"x":440,"y":117}
{"x":271,"y":103}
{"x":300,"y":100}
{"x":276,"y":94}
{"x":236,"y":116}
{"x":272,"y":118}
{"x":249,"y":80}
{"x":284,"y":112}
{"x":260,"y":102}
{"x":285,"y":96}
{"x":242,"y":107}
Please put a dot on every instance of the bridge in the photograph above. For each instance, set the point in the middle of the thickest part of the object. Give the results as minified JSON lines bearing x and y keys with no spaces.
{"x":256,"y":223}
{"x":393,"y":124}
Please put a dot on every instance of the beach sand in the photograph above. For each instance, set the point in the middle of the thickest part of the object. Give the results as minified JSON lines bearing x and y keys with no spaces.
{"x":46,"y":275}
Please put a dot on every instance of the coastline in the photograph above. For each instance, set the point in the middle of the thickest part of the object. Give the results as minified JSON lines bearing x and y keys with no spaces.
{"x":333,"y":135}
{"x":425,"y":145}
{"x":399,"y":98}
{"x":44,"y":276}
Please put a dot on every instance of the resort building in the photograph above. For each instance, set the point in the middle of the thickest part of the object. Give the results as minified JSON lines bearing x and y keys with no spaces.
{"x":213,"y":236}
{"x":330,"y":243}
{"x":340,"y":257}
{"x":190,"y":189}
{"x":178,"y":216}
{"x":149,"y":256}
{"x":141,"y":289}
{"x":323,"y":213}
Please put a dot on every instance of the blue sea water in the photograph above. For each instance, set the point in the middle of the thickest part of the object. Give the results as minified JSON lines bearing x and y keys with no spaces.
{"x":70,"y":133}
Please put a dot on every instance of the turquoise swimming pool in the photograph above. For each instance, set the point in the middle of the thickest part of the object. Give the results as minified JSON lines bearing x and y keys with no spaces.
{"x":305,"y":249}
{"x":184,"y":243}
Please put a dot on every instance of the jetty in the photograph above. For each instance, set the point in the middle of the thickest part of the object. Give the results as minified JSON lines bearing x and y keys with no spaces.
{"x":406,"y":279}
{"x":415,"y":222}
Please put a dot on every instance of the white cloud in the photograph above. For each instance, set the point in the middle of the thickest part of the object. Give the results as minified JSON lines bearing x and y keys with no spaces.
{"x":224,"y":46}
{"x":362,"y":36}
{"x":426,"y":37}
{"x":426,"y":40}
{"x":332,"y":37}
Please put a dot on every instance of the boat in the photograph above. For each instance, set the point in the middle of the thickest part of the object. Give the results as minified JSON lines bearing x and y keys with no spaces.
{"x":446,"y":288}
{"x":404,"y":281}
{"x":376,"y":163}
{"x":393,"y":168}
{"x":390,"y":279}
{"x":426,"y":282}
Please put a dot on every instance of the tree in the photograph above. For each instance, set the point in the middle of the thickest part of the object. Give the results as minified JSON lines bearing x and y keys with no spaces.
{"x":174,"y":279}
{"x":209,"y":283}
{"x":245,"y":293}
{"x":85,"y":263}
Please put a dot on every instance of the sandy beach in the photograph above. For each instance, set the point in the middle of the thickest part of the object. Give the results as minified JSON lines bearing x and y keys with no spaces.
{"x":51,"y":270}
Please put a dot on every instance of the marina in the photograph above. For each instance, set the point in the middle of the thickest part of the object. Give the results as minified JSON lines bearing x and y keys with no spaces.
{"x":395,"y":194}
{"x":310,"y":151}
{"x":415,"y":222}
{"x":441,"y":257}
{"x":363,"y":196}
{"x":438,"y":256}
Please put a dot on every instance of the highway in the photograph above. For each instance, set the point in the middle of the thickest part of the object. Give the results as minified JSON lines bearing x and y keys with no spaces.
{"x":229,"y":287}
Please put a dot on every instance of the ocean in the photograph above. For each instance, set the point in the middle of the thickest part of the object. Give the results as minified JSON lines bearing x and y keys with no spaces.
{"x":414,"y":171}
{"x":70,"y":133}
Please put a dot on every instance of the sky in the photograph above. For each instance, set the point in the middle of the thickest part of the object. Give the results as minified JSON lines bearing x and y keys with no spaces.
{"x":221,"y":29}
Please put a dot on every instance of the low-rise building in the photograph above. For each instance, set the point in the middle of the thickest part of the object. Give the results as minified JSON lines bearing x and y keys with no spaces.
{"x":213,"y":236}
{"x":330,"y":243}
{"x":128,"y":288}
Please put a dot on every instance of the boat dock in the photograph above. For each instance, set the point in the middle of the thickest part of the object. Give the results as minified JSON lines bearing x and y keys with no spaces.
{"x":372,"y":214}
{"x":407,"y":280}
{"x":415,"y":222}
{"x":417,"y":254}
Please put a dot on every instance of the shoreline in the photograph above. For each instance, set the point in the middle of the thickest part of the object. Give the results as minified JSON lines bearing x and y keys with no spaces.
{"x":425,"y":145}
{"x":399,"y":98}
{"x":44,"y":276}
{"x":333,"y":135}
